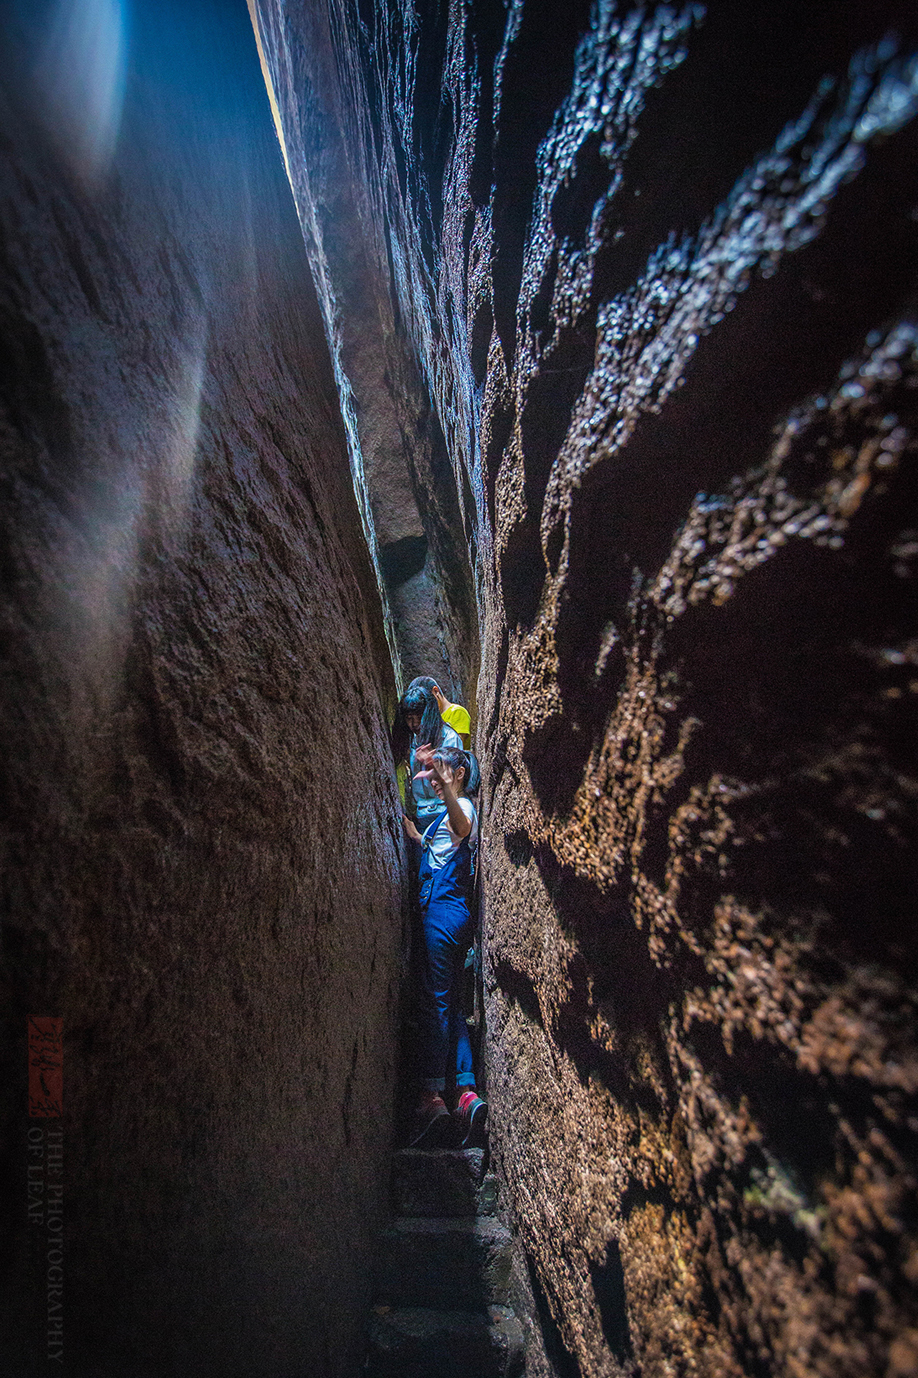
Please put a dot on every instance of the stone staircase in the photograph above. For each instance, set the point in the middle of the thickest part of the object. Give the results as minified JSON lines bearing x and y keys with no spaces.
{"x":444,"y":1274}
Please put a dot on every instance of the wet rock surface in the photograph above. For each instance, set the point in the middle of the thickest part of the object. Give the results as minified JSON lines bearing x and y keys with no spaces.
{"x":659,"y":267}
{"x":195,"y":680}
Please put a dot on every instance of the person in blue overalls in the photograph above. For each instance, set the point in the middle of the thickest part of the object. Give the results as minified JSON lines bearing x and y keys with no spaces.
{"x":448,"y":846}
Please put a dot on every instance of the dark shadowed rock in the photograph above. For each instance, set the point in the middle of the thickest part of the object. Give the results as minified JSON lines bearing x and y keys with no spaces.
{"x":449,"y":1264}
{"x":412,"y":1343}
{"x":442,"y":1184}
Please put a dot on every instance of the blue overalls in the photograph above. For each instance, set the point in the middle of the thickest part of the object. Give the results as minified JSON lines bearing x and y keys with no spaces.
{"x":447,"y":933}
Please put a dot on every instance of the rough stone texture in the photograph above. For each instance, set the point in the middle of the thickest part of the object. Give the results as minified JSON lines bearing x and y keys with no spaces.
{"x":659,"y":266}
{"x":399,"y":458}
{"x":442,"y":1184}
{"x":201,"y":860}
{"x":453,"y":1264}
{"x":414,"y":1343}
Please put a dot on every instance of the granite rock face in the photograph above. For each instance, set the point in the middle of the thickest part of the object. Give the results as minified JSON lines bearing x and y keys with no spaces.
{"x":412,"y":496}
{"x":658,"y":265}
{"x":202,"y":865}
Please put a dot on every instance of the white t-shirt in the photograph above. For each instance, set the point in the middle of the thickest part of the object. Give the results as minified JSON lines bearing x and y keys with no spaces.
{"x":440,"y":843}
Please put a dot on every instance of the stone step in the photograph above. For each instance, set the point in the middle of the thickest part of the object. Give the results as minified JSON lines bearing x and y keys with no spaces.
{"x":442,"y":1183}
{"x":413,"y":1342}
{"x":451,"y":1265}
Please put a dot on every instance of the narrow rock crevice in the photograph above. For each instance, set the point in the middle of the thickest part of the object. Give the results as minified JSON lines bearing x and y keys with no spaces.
{"x":569,"y":355}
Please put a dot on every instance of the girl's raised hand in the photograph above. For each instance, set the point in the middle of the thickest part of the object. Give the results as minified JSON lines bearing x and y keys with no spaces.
{"x":424,"y":758}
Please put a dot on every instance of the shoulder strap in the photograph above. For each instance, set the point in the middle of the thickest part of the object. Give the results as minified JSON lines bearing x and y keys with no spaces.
{"x":432,"y":828}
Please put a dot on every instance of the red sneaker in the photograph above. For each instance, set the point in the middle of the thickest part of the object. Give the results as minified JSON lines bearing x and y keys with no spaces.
{"x":471,"y":1114}
{"x":432,"y":1124}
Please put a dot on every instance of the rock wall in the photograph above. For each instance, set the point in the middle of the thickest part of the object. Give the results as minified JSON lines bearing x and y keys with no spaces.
{"x":201,"y":860}
{"x":658,"y":265}
{"x":413,"y":496}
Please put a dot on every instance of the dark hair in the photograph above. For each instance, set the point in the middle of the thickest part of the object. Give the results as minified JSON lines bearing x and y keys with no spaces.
{"x":421,"y":701}
{"x":457,"y":759}
{"x":423,"y":682}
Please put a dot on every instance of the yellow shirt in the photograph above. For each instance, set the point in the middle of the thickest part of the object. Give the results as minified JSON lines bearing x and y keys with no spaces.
{"x":459,"y":720}
{"x":401,"y":776}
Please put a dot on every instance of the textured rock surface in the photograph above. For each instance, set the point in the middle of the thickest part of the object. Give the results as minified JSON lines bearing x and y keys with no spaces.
{"x":659,"y":267}
{"x":446,"y":1183}
{"x":456,"y":1264}
{"x":398,"y":454}
{"x":412,"y":1342}
{"x":202,"y":872}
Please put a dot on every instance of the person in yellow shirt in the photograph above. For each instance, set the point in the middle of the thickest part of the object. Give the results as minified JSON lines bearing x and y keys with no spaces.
{"x":454,"y":714}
